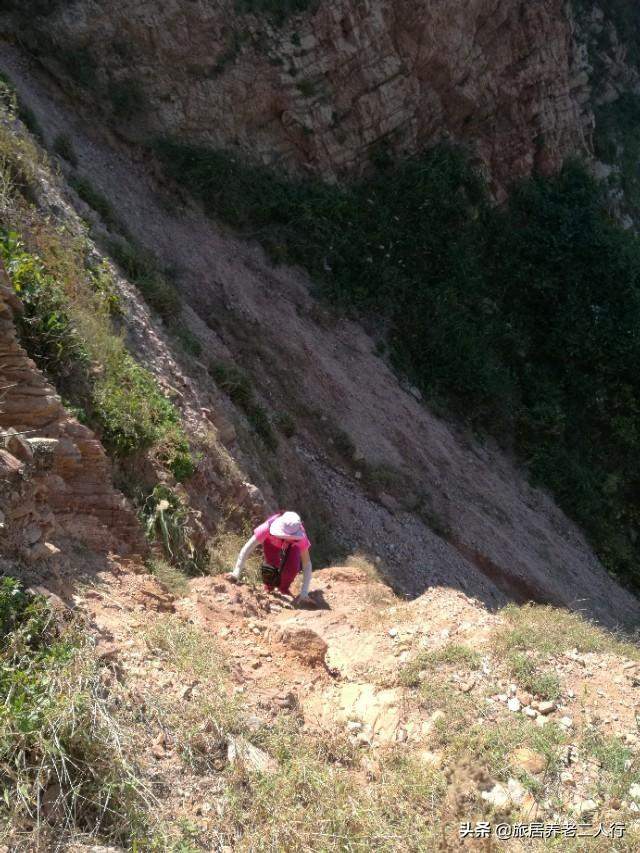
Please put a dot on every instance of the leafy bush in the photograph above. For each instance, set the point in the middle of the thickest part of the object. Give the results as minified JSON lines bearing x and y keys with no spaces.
{"x":80,"y":64}
{"x":97,"y":201}
{"x":47,"y":331}
{"x":235,"y":382}
{"x":63,"y":146}
{"x":127,"y":99}
{"x":61,"y":758}
{"x":277,"y":10}
{"x":169,"y":522}
{"x":520,"y":320}
{"x":142,"y":270}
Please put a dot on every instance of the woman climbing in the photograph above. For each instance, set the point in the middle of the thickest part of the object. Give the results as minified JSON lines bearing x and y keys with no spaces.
{"x":286,"y":549}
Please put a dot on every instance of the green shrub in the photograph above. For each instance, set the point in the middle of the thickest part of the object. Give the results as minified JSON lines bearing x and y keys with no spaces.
{"x":168,"y":521}
{"x":531,"y":676}
{"x":286,"y":424}
{"x":96,"y":200}
{"x":277,"y":10}
{"x":127,"y":99}
{"x":234,"y":382}
{"x":80,"y":64}
{"x":518,"y":319}
{"x":63,"y":146}
{"x":46,"y":329}
{"x":142,"y":270}
{"x":452,"y":654}
{"x":30,"y":120}
{"x":189,"y":342}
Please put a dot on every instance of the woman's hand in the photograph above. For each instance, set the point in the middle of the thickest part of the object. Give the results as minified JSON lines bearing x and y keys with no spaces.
{"x":301,"y":600}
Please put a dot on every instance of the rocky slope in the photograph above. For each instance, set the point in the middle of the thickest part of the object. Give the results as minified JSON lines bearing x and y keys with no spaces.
{"x":430,"y":504}
{"x":429,"y":685}
{"x":321,"y":91}
{"x":56,"y":477}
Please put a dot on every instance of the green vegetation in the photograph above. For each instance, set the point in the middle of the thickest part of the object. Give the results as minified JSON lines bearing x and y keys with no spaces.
{"x":167,"y":520}
{"x":127,"y":99}
{"x":277,"y":10}
{"x":170,"y":576}
{"x":66,"y":335}
{"x":324,"y":806}
{"x":617,"y":142}
{"x":526,"y":671}
{"x":619,"y":769}
{"x":520,"y":320}
{"x":425,"y":664}
{"x":235,"y":382}
{"x":142,"y":270}
{"x":286,"y":424}
{"x":80,"y":64}
{"x":490,"y":745}
{"x":96,"y":200}
{"x":548,"y":631}
{"x":63,"y":146}
{"x":61,"y":758}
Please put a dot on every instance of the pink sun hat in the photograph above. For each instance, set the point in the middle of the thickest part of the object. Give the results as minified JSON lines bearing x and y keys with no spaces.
{"x":287,"y":526}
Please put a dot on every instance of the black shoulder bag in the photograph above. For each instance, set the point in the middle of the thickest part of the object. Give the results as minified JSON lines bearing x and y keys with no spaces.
{"x":271,"y":574}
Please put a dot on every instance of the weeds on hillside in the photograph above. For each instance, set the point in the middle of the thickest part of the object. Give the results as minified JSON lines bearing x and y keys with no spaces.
{"x":168,"y":521}
{"x":278,"y":10}
{"x":235,"y":382}
{"x":547,"y":631}
{"x":170,"y":576}
{"x":142,"y":270}
{"x":61,"y":756}
{"x":426,"y":663}
{"x":63,"y":146}
{"x":97,"y":201}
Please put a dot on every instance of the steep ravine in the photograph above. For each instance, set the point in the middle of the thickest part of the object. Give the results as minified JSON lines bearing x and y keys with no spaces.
{"x":500,"y":537}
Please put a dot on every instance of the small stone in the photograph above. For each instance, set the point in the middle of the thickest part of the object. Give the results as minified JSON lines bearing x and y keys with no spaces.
{"x":586,"y":808}
{"x":530,"y":712}
{"x":526,"y":759}
{"x":546,"y":707}
{"x":634,"y":792}
{"x":393,"y":632}
{"x":566,"y":722}
{"x":498,"y":796}
{"x":566,"y":777}
{"x":513,"y":704}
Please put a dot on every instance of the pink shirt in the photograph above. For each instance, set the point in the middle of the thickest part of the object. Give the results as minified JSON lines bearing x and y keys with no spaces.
{"x":273,"y":546}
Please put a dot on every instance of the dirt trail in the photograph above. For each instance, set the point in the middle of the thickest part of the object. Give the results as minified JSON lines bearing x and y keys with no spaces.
{"x":337,"y":663}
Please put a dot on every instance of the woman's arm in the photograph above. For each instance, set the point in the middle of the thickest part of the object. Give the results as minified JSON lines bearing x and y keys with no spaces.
{"x":248,"y":548}
{"x":307,"y":570}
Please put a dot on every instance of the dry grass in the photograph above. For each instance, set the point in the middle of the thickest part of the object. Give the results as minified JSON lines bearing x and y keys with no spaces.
{"x":224,"y":550}
{"x":549,"y":631}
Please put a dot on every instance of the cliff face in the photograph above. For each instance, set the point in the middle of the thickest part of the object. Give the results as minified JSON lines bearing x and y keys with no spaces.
{"x":54,"y":474}
{"x":320,"y":92}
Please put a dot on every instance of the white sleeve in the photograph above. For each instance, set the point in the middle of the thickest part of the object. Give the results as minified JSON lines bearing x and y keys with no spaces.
{"x":306,"y":577}
{"x":248,"y":548}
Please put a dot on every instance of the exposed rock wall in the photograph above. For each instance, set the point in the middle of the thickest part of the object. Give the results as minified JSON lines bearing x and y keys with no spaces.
{"x":505,"y":77}
{"x":54,"y":474}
